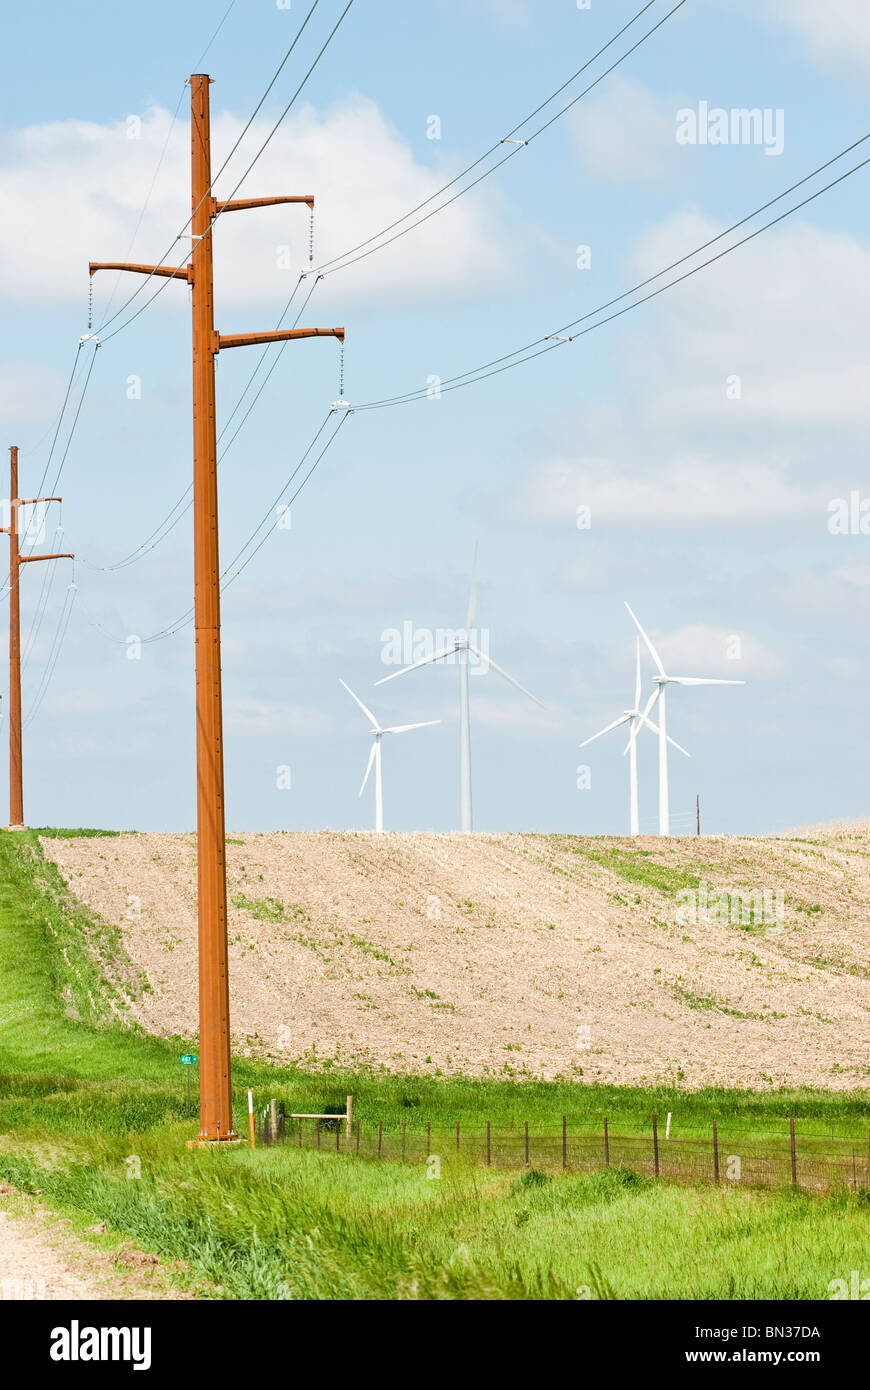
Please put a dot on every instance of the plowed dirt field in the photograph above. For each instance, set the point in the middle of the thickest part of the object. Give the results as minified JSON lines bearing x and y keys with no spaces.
{"x":517,"y":955}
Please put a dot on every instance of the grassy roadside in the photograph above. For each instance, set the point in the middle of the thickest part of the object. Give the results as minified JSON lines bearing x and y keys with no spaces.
{"x":92,"y":1113}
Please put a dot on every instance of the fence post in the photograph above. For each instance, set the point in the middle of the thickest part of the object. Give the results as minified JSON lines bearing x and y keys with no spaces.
{"x":793,"y":1153}
{"x":488,"y":1144}
{"x":273,"y":1125}
{"x":357,"y":1136}
{"x":606,"y":1145}
{"x":656,"y":1142}
{"x":404,"y":1122}
{"x":380,"y":1136}
{"x":527,"y":1143}
{"x":564,"y":1141}
{"x":715,"y":1153}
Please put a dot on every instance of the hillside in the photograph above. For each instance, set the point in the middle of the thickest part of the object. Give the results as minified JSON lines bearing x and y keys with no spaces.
{"x":514,"y":955}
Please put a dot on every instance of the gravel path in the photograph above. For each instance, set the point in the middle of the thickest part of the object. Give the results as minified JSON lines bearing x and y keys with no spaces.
{"x":509,"y":955}
{"x":40,"y":1258}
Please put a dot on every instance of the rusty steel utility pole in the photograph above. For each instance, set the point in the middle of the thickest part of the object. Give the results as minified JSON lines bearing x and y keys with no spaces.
{"x":216,"y":1121}
{"x":16,"y":560}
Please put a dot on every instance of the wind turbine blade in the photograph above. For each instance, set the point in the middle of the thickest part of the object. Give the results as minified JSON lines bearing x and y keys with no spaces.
{"x":652,"y":651}
{"x":637,"y":677}
{"x":472,"y":596}
{"x":672,"y":741}
{"x":504,"y":675}
{"x":615,"y":725}
{"x":364,"y":708}
{"x":701,"y":680}
{"x":403,"y":728}
{"x":651,"y":701}
{"x":368,"y":766}
{"x":424,"y":661}
{"x":643,"y":716}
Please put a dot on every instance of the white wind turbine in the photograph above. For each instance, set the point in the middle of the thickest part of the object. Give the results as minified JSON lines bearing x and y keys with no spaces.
{"x":462,"y":645}
{"x":635,"y":718}
{"x":375,"y":754}
{"x":659,"y":696}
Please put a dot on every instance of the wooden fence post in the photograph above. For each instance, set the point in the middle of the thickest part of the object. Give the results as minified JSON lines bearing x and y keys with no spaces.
{"x":527,"y":1143}
{"x":273,"y":1110}
{"x":793,"y":1153}
{"x":656,"y":1142}
{"x":606,"y":1145}
{"x":564,"y":1141}
{"x":715,"y":1153}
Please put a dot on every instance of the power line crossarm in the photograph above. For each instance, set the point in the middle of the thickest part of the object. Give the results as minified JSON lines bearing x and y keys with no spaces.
{"x":242,"y":204}
{"x":172,"y":272}
{"x":281,"y":335}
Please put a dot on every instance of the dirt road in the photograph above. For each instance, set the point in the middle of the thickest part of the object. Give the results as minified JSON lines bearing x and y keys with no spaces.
{"x":41,"y":1259}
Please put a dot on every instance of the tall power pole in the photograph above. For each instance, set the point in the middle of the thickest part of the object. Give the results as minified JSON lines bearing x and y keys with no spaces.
{"x":16,"y":560}
{"x":214,"y":1011}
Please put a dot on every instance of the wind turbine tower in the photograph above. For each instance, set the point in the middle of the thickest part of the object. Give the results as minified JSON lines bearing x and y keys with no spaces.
{"x":659,"y":696}
{"x":463,"y":646}
{"x":375,"y":754}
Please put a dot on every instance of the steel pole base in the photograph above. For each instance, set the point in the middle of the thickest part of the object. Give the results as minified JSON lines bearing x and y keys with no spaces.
{"x":202,"y":1141}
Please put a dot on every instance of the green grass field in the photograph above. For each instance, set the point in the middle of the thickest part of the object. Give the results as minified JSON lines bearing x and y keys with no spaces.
{"x":86,"y":1103}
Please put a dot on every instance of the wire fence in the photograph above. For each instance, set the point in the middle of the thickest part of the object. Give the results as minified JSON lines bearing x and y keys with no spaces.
{"x":813,"y":1163}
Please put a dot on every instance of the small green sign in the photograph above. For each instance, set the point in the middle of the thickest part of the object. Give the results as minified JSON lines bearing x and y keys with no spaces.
{"x":189,"y":1058}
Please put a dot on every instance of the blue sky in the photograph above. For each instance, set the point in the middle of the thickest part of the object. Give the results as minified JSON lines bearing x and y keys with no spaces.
{"x":709,"y":513}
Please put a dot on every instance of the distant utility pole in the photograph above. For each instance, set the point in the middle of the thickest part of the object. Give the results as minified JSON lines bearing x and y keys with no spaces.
{"x":214,"y":1009}
{"x":16,"y":560}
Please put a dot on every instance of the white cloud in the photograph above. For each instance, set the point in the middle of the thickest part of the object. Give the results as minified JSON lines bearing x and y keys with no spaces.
{"x":784,"y":320}
{"x":701,"y":650}
{"x":688,"y":491}
{"x":507,"y":14}
{"x":785,"y":314}
{"x":360,"y":171}
{"x":835,"y":30}
{"x":28,"y":392}
{"x":627,"y":134}
{"x":255,"y":718}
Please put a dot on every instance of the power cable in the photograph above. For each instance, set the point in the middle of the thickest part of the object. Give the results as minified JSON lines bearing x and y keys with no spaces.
{"x":558,"y":338}
{"x":344,"y":263}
